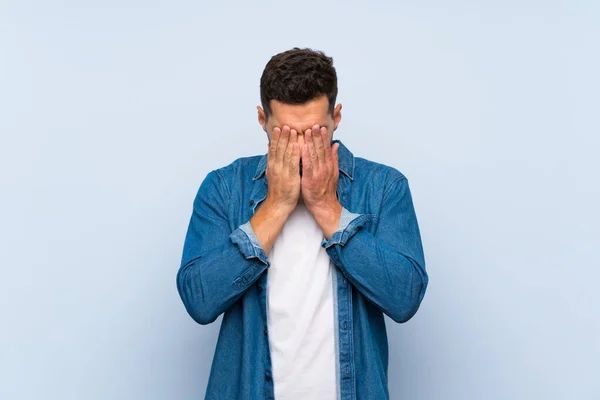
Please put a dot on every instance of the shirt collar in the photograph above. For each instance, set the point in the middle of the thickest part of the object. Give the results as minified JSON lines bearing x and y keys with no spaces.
{"x":345,"y":162}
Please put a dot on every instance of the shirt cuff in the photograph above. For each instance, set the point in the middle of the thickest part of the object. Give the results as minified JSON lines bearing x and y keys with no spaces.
{"x":349,"y":223}
{"x":248,"y":243}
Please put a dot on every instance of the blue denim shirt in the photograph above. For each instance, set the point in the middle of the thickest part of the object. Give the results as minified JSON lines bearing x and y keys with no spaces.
{"x":380,"y":269}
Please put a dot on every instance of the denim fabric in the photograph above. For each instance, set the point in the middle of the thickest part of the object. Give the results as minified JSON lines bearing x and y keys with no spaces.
{"x":380,"y":269}
{"x":345,"y":219}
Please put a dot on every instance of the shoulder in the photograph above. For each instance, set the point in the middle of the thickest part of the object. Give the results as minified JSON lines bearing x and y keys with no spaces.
{"x":387,"y":181}
{"x":369,"y":170}
{"x":240,"y":166}
{"x":221,"y":182}
{"x":240,"y":170}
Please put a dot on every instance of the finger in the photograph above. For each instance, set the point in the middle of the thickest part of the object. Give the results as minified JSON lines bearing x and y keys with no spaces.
{"x":306,"y":161}
{"x":294,"y":139}
{"x":318,"y":140}
{"x":274,"y":139}
{"x":293,"y":136}
{"x":272,"y":153}
{"x":326,"y":144}
{"x":327,"y":137}
{"x":282,"y":143}
{"x":268,"y":152}
{"x":312,"y":151}
{"x":290,"y":147}
{"x":294,"y":165}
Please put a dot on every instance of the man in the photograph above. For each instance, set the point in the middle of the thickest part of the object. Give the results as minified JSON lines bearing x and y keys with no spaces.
{"x":302,"y":249}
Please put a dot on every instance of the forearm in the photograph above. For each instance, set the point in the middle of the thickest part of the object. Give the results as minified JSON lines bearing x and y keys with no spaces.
{"x":393,"y":281}
{"x":267,"y":223}
{"x":217,"y":265}
{"x":328,"y":217}
{"x":212,"y":282}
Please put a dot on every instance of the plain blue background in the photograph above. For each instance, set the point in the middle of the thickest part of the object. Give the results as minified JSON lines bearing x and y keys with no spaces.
{"x":112,"y":113}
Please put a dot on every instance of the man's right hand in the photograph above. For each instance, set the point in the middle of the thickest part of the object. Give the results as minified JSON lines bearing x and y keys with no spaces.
{"x":283,"y":169}
{"x":283,"y":178}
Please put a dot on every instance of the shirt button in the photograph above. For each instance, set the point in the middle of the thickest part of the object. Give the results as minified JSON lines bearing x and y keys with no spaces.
{"x":268,"y":378}
{"x":251,"y":202}
{"x":265,"y":332}
{"x":260,"y":289}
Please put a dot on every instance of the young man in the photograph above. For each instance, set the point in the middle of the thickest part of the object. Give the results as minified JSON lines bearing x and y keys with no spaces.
{"x":302,"y":249}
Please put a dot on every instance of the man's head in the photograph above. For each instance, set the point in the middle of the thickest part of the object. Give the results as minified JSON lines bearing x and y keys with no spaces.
{"x":298,"y":88}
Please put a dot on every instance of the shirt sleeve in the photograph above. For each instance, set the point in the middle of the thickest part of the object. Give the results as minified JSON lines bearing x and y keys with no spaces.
{"x":249,"y":243}
{"x":387,"y":266}
{"x":346,"y":217}
{"x":217,"y":265}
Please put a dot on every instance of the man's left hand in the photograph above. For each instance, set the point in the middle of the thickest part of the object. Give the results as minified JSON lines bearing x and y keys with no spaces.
{"x":320,"y":174}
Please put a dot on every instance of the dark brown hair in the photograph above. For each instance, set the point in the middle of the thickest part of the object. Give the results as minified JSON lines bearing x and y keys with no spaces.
{"x":297,"y":76}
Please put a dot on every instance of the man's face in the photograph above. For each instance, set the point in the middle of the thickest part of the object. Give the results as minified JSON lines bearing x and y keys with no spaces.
{"x":300,"y":117}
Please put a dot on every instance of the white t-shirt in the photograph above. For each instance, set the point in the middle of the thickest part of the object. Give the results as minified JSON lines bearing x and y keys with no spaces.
{"x":300,"y":312}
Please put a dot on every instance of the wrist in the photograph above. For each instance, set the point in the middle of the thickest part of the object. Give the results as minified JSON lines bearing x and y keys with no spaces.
{"x":278,"y":209}
{"x":328,"y":217}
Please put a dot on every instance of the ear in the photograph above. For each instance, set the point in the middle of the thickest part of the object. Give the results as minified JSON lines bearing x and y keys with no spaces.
{"x":337,"y":115}
{"x":262,"y":120}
